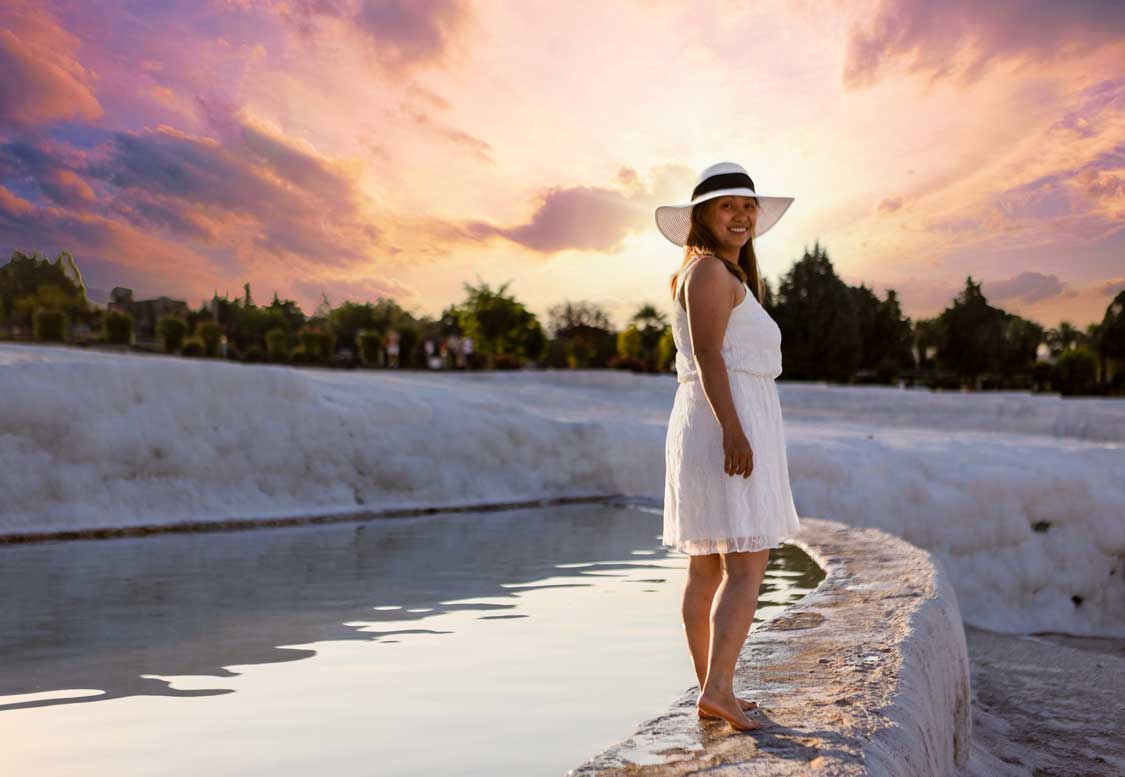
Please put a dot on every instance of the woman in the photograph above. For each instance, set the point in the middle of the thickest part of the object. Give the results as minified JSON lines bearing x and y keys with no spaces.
{"x":727,"y":499}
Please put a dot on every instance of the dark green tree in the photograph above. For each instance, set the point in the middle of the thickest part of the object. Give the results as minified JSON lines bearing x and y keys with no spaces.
{"x":172,"y":332}
{"x":498,"y":323}
{"x":583,"y":336}
{"x":30,"y":284}
{"x":1108,"y":338}
{"x":652,"y":324}
{"x":1075,"y":372}
{"x":1021,"y":346}
{"x":971,"y":335}
{"x":1064,"y":337}
{"x":639,"y":342}
{"x":927,"y":339}
{"x":885,"y":336}
{"x":819,"y":325}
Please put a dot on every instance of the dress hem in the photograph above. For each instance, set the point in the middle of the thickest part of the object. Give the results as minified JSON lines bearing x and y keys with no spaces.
{"x":739,"y":545}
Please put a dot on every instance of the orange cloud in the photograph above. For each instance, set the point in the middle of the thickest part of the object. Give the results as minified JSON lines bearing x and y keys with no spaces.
{"x":42,"y":81}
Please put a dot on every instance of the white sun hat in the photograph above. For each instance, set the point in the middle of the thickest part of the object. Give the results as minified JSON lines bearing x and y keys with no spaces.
{"x":720,"y":180}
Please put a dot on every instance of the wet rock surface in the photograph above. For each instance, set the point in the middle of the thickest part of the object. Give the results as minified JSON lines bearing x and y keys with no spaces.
{"x":1049,"y":705}
{"x":868,"y":674}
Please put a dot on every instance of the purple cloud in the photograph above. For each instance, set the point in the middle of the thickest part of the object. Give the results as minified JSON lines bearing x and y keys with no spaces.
{"x":1026,"y":287}
{"x":48,"y":167}
{"x":934,"y":34}
{"x":584,"y":218}
{"x":402,"y":34}
{"x":288,"y":199}
{"x":1101,"y":102}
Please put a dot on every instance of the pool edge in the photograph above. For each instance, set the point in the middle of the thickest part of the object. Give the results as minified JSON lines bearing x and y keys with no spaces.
{"x":868,"y":674}
{"x":299,"y":518}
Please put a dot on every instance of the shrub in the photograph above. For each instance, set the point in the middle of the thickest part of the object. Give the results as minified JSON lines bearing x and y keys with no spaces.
{"x":172,"y":331}
{"x":666,"y":352}
{"x":630,"y":345}
{"x":49,"y":326}
{"x":368,"y":345}
{"x":1075,"y":372}
{"x":253,"y":353}
{"x":887,"y":370}
{"x":277,"y":345}
{"x":626,"y":363}
{"x":1116,"y":385}
{"x":193,"y":346}
{"x":118,"y":328}
{"x":209,"y":332}
{"x":300,"y":356}
{"x":409,"y":340}
{"x":507,"y":361}
{"x":318,"y":346}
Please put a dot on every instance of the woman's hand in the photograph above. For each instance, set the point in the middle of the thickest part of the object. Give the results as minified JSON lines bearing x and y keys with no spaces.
{"x":738,"y":456}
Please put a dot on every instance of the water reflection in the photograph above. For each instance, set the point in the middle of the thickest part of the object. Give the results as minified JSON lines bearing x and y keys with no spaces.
{"x":96,"y":620}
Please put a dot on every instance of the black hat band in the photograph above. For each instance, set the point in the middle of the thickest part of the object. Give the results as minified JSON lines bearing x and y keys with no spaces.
{"x":723,"y":181}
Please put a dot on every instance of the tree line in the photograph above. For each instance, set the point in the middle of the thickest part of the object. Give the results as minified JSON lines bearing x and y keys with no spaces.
{"x":831,"y":331}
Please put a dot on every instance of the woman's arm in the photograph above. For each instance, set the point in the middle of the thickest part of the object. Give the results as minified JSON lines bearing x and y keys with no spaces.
{"x":709,"y":304}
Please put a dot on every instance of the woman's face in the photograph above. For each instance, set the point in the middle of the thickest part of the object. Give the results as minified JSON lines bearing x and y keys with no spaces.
{"x":732,"y":219}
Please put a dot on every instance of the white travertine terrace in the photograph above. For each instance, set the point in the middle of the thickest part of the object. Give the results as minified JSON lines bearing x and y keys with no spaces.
{"x":866,"y":675}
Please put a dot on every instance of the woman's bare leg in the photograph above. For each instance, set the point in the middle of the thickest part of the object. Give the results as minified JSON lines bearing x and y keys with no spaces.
{"x":731,"y":618}
{"x":705,"y":573}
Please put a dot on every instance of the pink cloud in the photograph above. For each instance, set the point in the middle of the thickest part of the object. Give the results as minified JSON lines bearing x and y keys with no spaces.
{"x":250,"y":188}
{"x":51,"y":166}
{"x":474,"y":145}
{"x":1080,"y":204}
{"x":244,"y":200}
{"x":68,"y":189}
{"x":95,"y":239}
{"x":584,"y":218}
{"x":1100,"y":105}
{"x":1111,"y":286}
{"x":889,"y":204}
{"x":401,"y":34}
{"x":13,"y":207}
{"x":968,"y":36}
{"x":43,"y":82}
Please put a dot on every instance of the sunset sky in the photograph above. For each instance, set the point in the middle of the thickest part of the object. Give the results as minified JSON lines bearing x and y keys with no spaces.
{"x":366,"y":148}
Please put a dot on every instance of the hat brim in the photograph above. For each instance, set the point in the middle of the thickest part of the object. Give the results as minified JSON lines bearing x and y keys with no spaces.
{"x":674,"y":221}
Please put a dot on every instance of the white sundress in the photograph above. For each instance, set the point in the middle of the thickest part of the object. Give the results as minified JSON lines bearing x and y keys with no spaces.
{"x":705,"y":509}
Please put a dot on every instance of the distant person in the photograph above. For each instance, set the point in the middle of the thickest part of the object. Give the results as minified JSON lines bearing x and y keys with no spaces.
{"x":725,"y":503}
{"x":466,"y":351}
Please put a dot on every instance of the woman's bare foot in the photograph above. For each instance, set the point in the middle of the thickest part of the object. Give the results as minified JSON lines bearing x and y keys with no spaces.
{"x":746,"y":704}
{"x":729,"y":709}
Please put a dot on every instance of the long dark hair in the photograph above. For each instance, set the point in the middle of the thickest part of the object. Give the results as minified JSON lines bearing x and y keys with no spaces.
{"x":701,"y":240}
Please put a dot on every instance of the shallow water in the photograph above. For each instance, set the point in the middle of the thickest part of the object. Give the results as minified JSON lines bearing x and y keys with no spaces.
{"x":518,"y":642}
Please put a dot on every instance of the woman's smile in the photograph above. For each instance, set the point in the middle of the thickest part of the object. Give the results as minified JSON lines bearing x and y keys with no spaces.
{"x":733,"y":219}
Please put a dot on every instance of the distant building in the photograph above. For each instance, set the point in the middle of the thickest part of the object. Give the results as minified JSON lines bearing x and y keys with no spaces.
{"x":121,"y":297}
{"x":145,"y":312}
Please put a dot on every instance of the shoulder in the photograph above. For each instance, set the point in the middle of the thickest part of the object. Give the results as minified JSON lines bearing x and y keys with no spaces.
{"x":707,"y":275}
